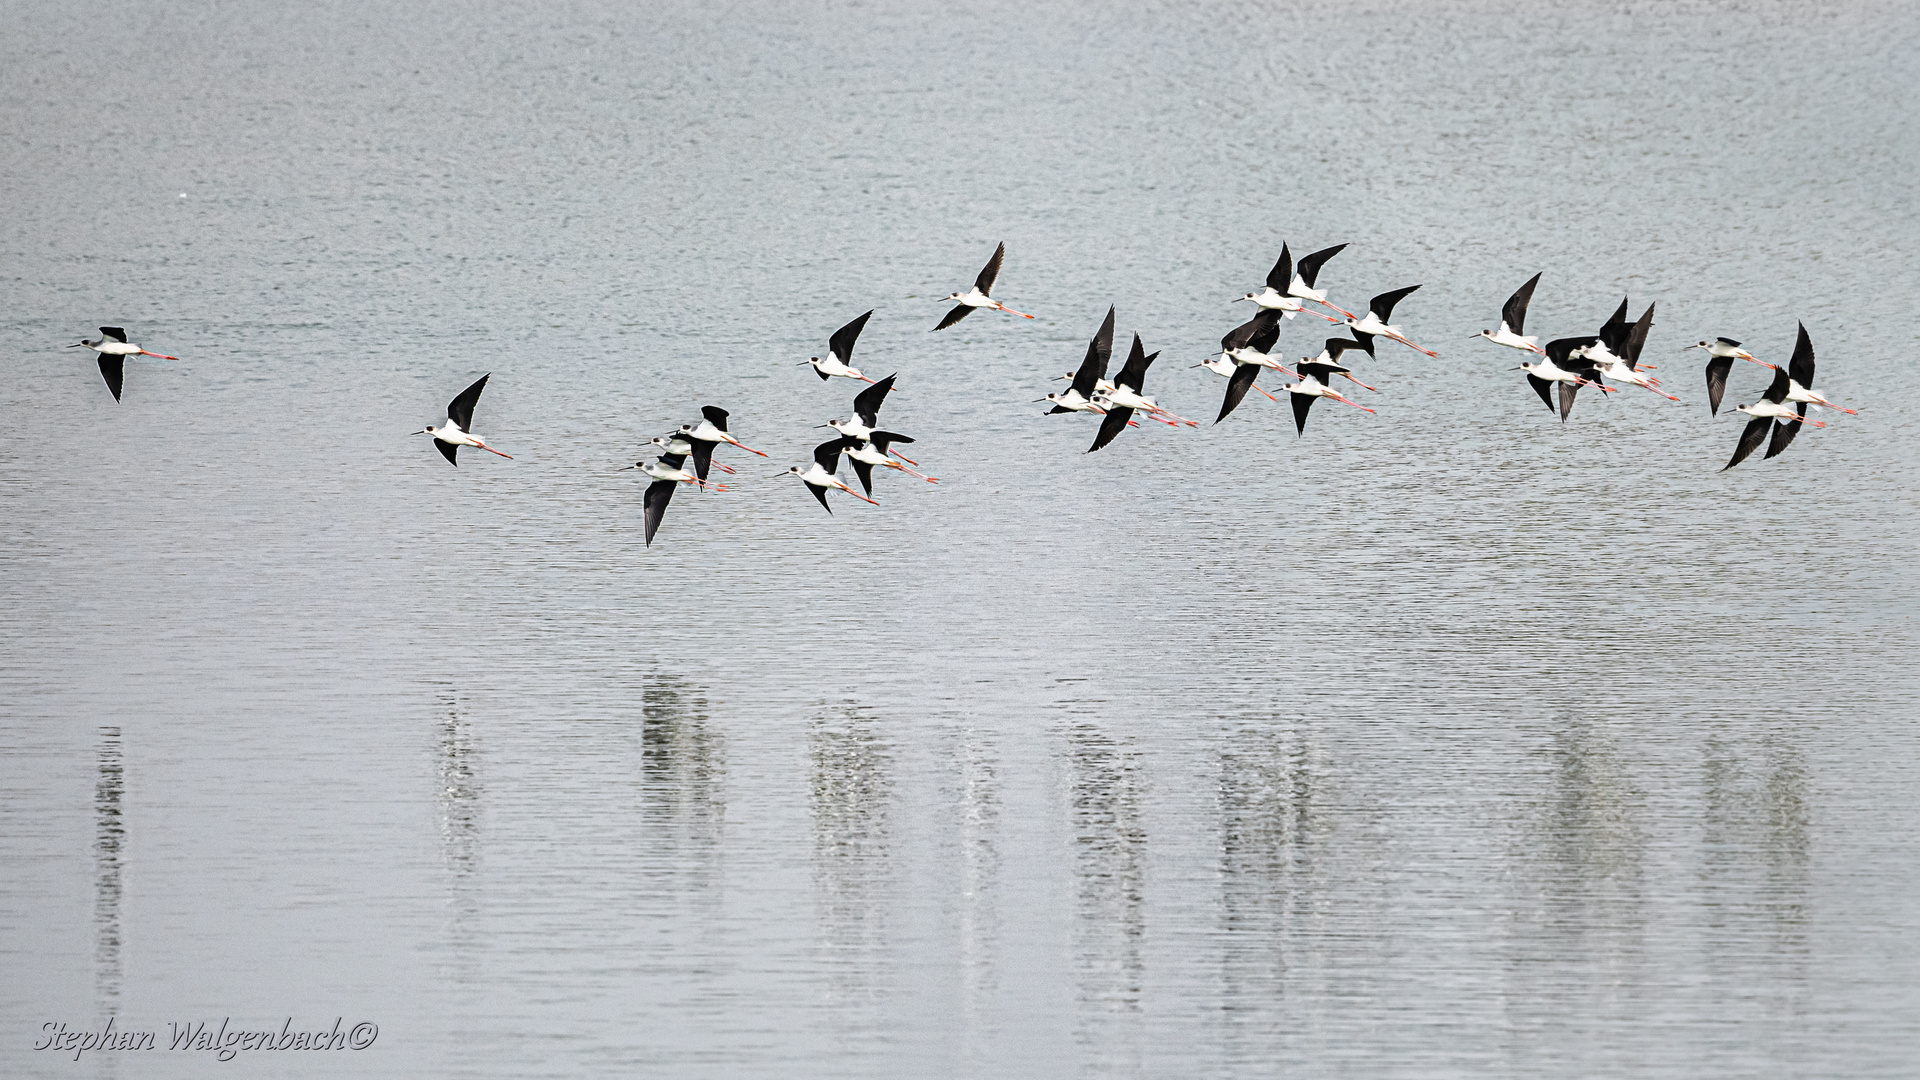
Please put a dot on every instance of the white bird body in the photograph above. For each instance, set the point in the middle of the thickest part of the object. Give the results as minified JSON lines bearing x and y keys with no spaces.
{"x":1270,"y":299}
{"x":660,"y":470}
{"x":1512,"y":340}
{"x":1722,"y":348}
{"x":831,"y":366}
{"x":1072,"y":401}
{"x":1798,"y":393}
{"x":1552,"y":372}
{"x":1618,"y":371}
{"x":1299,"y":288}
{"x":1773,"y":410}
{"x":852,"y":429}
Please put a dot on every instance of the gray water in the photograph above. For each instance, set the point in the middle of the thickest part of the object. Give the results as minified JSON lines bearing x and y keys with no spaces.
{"x":1449,"y":741}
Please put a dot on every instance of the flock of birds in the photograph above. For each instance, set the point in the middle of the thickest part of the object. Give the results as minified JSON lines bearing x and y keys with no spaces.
{"x":1568,"y":364}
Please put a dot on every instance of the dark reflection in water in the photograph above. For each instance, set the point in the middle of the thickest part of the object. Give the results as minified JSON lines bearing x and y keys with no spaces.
{"x":109,"y":843}
{"x":1268,"y":819}
{"x":459,"y":758}
{"x":850,"y":794}
{"x":682,"y":769}
{"x":1756,"y":870}
{"x":1107,"y":790}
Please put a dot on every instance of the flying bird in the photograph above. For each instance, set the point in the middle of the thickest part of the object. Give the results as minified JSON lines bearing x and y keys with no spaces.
{"x":1125,"y":396}
{"x":668,"y":473}
{"x":1721,"y":353}
{"x":1564,"y":363}
{"x":453,"y":435}
{"x":1513,"y":319}
{"x":840,"y":352}
{"x":1092,"y":373}
{"x":1250,"y":347}
{"x":978,"y":297}
{"x":1313,"y":385}
{"x":820,"y":478}
{"x":708,"y":432}
{"x":1770,"y":408}
{"x":871,"y":453}
{"x":1285,"y":289}
{"x":1379,"y":310}
{"x":1799,"y":391}
{"x":114,"y":349}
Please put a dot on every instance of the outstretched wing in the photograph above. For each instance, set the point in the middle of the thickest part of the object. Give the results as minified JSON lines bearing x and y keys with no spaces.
{"x":992,"y":270}
{"x":715,"y":415}
{"x":1094,"y":367}
{"x":1783,"y":433}
{"x":1717,"y":370}
{"x":1281,"y":275}
{"x":1111,"y":425}
{"x":883,"y":439}
{"x":1567,"y":390}
{"x":702,"y":457}
{"x":112,"y":368}
{"x":865,"y":472}
{"x":1800,"y":368}
{"x":1543,"y":388}
{"x":114,"y":332}
{"x":1247,"y":332}
{"x":1750,"y":440}
{"x":1237,"y":384}
{"x":1310,"y":264}
{"x":1514,"y":314}
{"x":960,"y":311}
{"x":1135,"y":372}
{"x":1560,"y":350}
{"x":1382,"y":305}
{"x":866,"y":404}
{"x":1103,"y":341}
{"x":448,"y":450}
{"x":1301,"y":403}
{"x":659,"y":493}
{"x":1777,"y":389}
{"x":827,"y":454}
{"x":842,"y":340}
{"x":1335,"y":346}
{"x":460,"y":409}
{"x":1637,"y":338}
{"x":821,"y":494}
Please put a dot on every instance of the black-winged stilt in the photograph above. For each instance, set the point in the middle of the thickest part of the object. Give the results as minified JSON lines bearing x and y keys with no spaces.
{"x":453,"y":435}
{"x":977,"y":297}
{"x":114,"y":349}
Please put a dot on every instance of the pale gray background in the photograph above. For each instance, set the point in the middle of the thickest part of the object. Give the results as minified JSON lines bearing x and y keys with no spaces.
{"x":1445,"y":742}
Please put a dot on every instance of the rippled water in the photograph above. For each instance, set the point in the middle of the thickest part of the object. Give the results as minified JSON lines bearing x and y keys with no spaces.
{"x":1446,"y":741}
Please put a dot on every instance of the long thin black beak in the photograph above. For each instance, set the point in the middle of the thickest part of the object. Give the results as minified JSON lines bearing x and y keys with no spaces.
{"x":76,"y":344}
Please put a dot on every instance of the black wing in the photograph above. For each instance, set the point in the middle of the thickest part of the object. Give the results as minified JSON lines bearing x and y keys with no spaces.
{"x":1362,"y":341}
{"x":112,"y":368}
{"x":1335,"y":346}
{"x":659,"y":493}
{"x":448,"y":450}
{"x":1310,"y":264}
{"x":1301,"y":403}
{"x":1099,"y":352}
{"x":1382,"y":305}
{"x":1111,"y":425}
{"x":823,"y":375}
{"x":673,"y":461}
{"x":1717,"y":369}
{"x":1800,"y":368}
{"x":1567,"y":390}
{"x":114,"y":332}
{"x":1135,"y":373}
{"x":866,"y":404}
{"x":1543,"y":388}
{"x":1322,"y":373}
{"x":1242,"y":377}
{"x":1783,"y":433}
{"x":715,"y":415}
{"x":883,"y":439}
{"x":1777,"y":389}
{"x":702,"y":457}
{"x":1750,"y":440}
{"x":1255,"y":329}
{"x":992,"y":270}
{"x":865,"y":472}
{"x":821,"y":494}
{"x":1281,"y":275}
{"x":1514,"y":314}
{"x":960,"y":311}
{"x":1560,"y":350}
{"x":1637,"y":338}
{"x":460,"y":409}
{"x":842,"y":340}
{"x":828,"y":453}
{"x":1615,"y":331}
